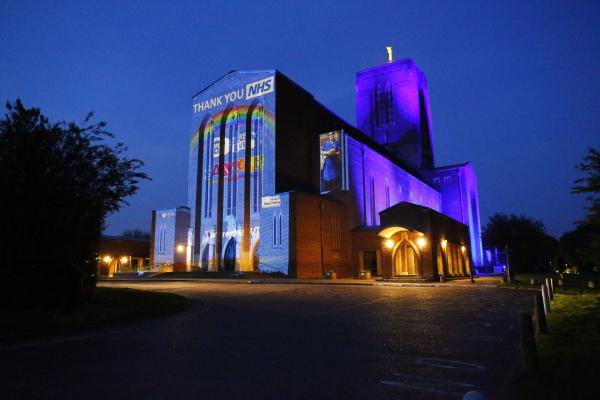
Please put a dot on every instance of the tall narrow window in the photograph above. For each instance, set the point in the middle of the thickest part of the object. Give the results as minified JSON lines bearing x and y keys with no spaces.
{"x":372,"y":192}
{"x":234,"y":149}
{"x":384,"y":106}
{"x":274,"y":231}
{"x":387,"y":194}
{"x":209,"y":145}
{"x":231,"y":167}
{"x":162,"y":241}
{"x":389,"y":105}
{"x":378,"y":104}
{"x":279,"y":230}
{"x":256,"y":165}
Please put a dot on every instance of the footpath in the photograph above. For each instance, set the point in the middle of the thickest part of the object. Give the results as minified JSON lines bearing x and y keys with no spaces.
{"x":478,"y":282}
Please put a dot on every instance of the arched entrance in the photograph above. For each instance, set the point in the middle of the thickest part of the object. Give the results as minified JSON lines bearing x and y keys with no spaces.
{"x":204,"y":259}
{"x":229,"y":256}
{"x":406,"y":259}
{"x":113,"y":266}
{"x":255,"y":255}
{"x":440,"y":261}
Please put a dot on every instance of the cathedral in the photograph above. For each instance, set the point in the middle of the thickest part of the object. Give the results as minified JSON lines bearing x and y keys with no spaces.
{"x":278,"y":183}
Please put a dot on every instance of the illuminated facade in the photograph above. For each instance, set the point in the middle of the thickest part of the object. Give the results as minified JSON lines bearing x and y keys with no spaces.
{"x":279,"y":183}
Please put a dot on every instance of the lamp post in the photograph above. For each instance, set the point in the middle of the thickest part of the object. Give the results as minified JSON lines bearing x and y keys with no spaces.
{"x":507,"y":265}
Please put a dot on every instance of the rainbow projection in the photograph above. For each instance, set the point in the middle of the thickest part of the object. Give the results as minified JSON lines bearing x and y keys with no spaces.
{"x":232,"y":167}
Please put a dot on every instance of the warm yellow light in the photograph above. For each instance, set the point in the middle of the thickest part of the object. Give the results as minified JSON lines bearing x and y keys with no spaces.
{"x":180,"y":248}
{"x":389,"y":243}
{"x":124,"y":260}
{"x":389,"y":51}
{"x":463,"y":248}
{"x":421,"y":242}
{"x":444,"y":243}
{"x":107,"y":259}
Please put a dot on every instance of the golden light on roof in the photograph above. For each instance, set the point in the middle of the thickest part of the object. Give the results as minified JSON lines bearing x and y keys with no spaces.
{"x":389,"y":51}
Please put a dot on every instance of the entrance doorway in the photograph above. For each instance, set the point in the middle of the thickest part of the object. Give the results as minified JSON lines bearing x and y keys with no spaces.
{"x":370,"y":261}
{"x":114,"y":266}
{"x":229,"y":257}
{"x":406,"y":259}
{"x":204,"y":259}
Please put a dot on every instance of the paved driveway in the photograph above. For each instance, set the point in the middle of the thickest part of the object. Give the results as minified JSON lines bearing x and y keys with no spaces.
{"x":242,"y":341}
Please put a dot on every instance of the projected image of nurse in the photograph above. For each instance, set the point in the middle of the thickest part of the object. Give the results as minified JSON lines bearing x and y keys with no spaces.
{"x":331,"y":162}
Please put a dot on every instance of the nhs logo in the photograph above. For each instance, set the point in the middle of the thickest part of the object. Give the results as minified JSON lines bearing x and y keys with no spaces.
{"x":259,"y":88}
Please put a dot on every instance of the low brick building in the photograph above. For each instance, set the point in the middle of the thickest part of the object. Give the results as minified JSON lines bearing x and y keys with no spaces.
{"x":119,"y":254}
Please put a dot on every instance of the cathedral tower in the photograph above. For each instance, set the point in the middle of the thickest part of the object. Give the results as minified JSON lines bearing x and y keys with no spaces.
{"x":392,"y":106}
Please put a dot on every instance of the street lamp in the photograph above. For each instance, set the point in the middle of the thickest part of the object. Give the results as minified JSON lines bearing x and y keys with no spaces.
{"x":107,"y":259}
{"x":421,"y":242}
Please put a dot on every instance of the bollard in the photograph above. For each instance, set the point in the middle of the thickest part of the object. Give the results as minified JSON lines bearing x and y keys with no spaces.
{"x":546,"y":298}
{"x":541,"y":327}
{"x":591,"y":284}
{"x":528,"y":353}
{"x":549,"y":288}
{"x":552,"y":285}
{"x":532,"y":281}
{"x":561,"y":282}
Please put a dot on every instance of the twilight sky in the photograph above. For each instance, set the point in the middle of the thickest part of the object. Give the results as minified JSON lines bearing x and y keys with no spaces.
{"x":514,"y":85}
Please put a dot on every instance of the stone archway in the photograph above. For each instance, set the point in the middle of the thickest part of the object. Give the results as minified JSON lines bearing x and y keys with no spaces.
{"x":407,"y":260}
{"x":205,"y":260}
{"x":255,"y":255}
{"x":113,"y":266}
{"x":229,"y":257}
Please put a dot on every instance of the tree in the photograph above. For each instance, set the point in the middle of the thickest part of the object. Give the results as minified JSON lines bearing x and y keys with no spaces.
{"x":135,"y":234}
{"x":530,"y":247}
{"x":60,"y":181}
{"x":584,"y":241}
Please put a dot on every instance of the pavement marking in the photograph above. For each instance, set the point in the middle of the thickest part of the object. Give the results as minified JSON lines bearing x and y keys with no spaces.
{"x":443,"y":381}
{"x":450,"y":364}
{"x":491,"y":339}
{"x":422,"y":388}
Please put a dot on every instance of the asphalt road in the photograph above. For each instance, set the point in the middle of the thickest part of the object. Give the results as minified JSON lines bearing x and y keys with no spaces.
{"x":247,"y":341}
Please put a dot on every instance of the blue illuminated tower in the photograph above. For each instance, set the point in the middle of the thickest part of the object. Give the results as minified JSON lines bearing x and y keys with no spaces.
{"x":392,"y":106}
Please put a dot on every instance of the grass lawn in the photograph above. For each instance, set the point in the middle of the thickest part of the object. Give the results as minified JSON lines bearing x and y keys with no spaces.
{"x":569,"y":355}
{"x":110,"y":305}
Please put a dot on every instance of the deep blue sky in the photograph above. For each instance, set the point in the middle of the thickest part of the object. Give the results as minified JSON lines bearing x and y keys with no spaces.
{"x":514,"y":86}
